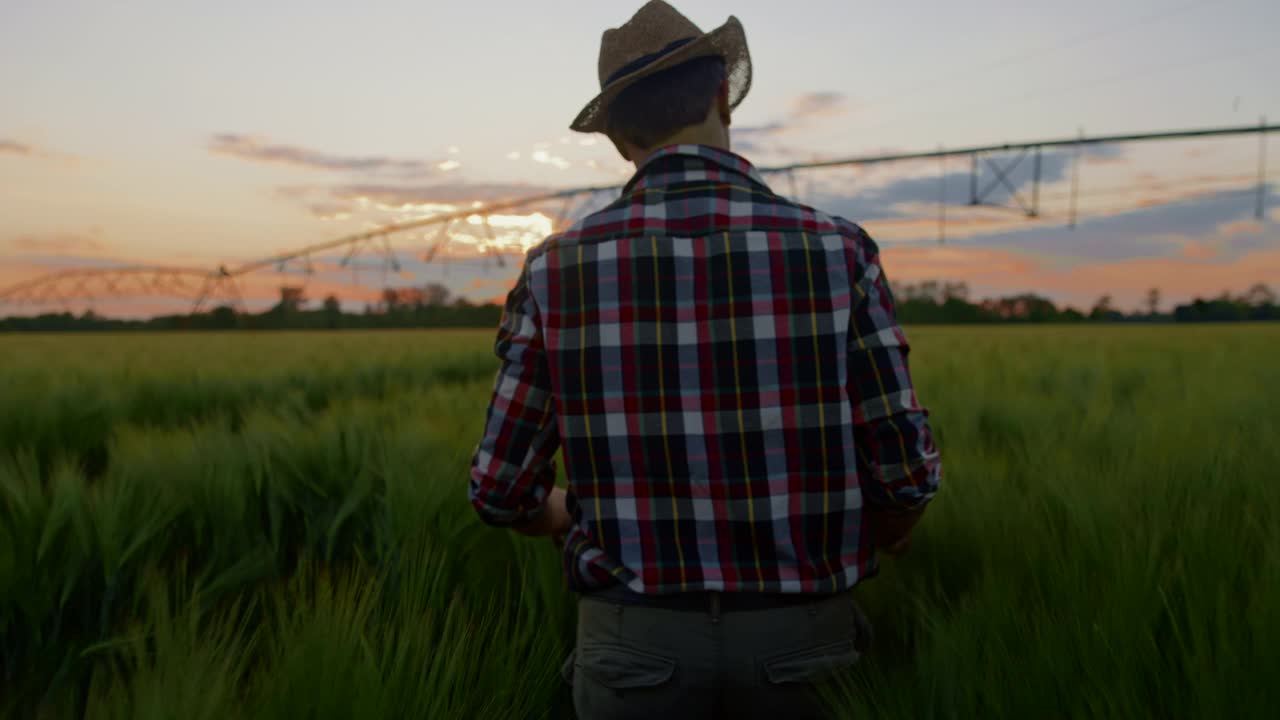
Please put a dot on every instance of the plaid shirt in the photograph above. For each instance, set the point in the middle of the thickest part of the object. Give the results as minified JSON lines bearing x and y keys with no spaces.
{"x":725,"y":375}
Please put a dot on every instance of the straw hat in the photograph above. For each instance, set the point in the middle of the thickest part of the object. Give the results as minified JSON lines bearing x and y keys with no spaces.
{"x":658,"y":37}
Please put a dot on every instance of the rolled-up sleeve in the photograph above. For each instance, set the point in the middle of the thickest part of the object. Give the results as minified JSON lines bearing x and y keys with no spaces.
{"x":513,"y":468}
{"x":898,"y":461}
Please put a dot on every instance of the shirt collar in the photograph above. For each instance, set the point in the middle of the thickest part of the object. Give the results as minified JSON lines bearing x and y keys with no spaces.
{"x":648,"y":176}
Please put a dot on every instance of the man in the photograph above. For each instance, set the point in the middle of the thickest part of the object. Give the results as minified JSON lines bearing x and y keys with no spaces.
{"x":724,"y":373}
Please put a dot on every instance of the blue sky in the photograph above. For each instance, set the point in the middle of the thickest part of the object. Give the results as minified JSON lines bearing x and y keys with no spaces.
{"x":199,"y":133}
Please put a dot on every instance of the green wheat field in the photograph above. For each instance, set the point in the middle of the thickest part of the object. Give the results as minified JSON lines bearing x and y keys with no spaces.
{"x":270,"y":526}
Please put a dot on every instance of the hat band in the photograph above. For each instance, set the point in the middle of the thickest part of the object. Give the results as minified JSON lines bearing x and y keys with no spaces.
{"x":643,"y":60}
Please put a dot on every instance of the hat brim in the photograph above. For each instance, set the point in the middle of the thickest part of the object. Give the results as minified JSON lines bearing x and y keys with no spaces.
{"x":728,"y":41}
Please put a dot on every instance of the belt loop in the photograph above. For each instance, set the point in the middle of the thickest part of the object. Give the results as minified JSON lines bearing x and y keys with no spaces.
{"x":715,"y":607}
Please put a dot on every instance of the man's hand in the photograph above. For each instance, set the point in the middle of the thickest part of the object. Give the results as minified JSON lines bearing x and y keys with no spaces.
{"x":891,"y":529}
{"x":554,"y":520}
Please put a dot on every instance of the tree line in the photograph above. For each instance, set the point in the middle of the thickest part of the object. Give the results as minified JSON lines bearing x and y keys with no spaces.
{"x":431,"y":306}
{"x":944,"y":303}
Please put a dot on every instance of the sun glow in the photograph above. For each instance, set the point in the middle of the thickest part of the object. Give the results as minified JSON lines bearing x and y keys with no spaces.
{"x":472,"y":235}
{"x":504,"y":234}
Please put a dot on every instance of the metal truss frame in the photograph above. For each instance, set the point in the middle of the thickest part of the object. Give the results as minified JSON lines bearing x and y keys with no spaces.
{"x":222,"y":286}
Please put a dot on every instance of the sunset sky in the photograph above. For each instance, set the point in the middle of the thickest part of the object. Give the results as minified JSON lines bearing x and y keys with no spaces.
{"x":194,"y":134}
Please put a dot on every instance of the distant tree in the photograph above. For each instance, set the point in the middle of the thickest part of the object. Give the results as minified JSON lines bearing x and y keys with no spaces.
{"x":390,"y":300}
{"x":1153,"y":301}
{"x":414,"y":298}
{"x":1102,"y":309}
{"x":1220,"y":309}
{"x":435,"y":295}
{"x":1027,"y":307}
{"x":1039,"y":309}
{"x":291,"y":299}
{"x":223,"y":317}
{"x":1259,"y":295}
{"x":332,"y":312}
{"x":955,"y":291}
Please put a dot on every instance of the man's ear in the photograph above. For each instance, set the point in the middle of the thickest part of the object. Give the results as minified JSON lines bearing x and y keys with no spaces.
{"x":722,"y":103}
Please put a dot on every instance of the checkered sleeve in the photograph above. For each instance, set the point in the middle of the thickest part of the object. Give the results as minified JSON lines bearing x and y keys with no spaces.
{"x":895,"y":446}
{"x":513,"y":469}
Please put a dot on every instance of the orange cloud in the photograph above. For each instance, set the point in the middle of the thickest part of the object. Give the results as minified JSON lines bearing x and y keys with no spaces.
{"x":12,"y":273}
{"x":17,"y":148}
{"x":960,"y":222}
{"x":818,"y":105}
{"x":951,"y":263}
{"x":1099,"y":159}
{"x":138,"y":295}
{"x":1240,"y":227}
{"x":246,"y":147}
{"x":1180,"y":279}
{"x":394,"y":196}
{"x":486,"y":283}
{"x":13,"y":147}
{"x":58,"y":243}
{"x":1199,"y":250}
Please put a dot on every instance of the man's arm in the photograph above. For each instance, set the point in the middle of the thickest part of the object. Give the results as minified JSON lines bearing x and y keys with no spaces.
{"x":897,"y":459}
{"x":513,"y":470}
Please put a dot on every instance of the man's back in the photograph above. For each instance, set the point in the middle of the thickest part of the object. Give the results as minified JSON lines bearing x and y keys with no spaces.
{"x":724,"y":373}
{"x":727,"y":380}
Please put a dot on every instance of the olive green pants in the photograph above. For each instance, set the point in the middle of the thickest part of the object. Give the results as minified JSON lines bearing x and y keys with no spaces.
{"x":641,"y":662}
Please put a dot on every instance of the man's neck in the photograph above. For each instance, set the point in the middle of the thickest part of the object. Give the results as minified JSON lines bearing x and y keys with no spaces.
{"x":699,"y":136}
{"x":689,"y":136}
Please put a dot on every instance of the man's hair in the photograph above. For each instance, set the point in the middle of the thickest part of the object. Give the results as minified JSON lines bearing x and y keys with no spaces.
{"x":656,"y":107}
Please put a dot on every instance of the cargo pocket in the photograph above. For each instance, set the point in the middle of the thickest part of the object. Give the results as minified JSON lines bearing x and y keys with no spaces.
{"x":615,"y":681}
{"x":620,"y":668}
{"x":810,"y":665}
